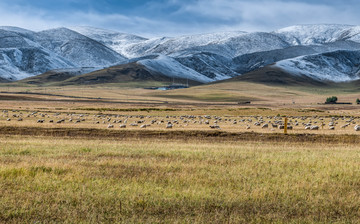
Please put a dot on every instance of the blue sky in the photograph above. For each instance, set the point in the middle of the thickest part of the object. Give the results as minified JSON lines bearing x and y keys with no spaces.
{"x":176,"y":17}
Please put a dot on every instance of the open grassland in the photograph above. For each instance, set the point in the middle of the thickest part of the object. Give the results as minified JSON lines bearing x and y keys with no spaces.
{"x":65,"y":159}
{"x":136,"y":181}
{"x":234,"y":120}
{"x":199,"y":108}
{"x":215,"y":94}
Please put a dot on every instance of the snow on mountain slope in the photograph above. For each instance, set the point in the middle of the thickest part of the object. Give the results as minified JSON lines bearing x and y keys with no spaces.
{"x":168,"y":46}
{"x":21,"y":57}
{"x":318,"y":34}
{"x":338,"y":66}
{"x":112,"y":39}
{"x":234,"y":46}
{"x":20,"y":63}
{"x":17,"y":30}
{"x":336,"y":46}
{"x":143,"y":48}
{"x":9,"y":39}
{"x":28,"y":34}
{"x":211,"y":65}
{"x":352,"y":34}
{"x":203,"y":57}
{"x":249,"y":62}
{"x":185,"y":42}
{"x":79,"y":49}
{"x":227,"y":44}
{"x":254,"y":49}
{"x":171,"y":68}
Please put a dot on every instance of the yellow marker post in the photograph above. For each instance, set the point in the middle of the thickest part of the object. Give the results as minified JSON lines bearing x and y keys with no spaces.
{"x":285,"y":125}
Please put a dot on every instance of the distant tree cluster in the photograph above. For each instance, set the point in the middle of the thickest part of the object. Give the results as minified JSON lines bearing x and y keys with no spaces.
{"x":332,"y":99}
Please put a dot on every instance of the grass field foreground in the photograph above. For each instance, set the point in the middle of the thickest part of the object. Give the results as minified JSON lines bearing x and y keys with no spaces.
{"x":45,"y":179}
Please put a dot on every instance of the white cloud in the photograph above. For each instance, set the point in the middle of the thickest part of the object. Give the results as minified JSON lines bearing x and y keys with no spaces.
{"x":205,"y":16}
{"x":270,"y":14}
{"x":25,"y":17}
{"x":37,"y":19}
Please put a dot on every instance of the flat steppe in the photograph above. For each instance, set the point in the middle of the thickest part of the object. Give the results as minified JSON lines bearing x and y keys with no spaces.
{"x":64,"y":157}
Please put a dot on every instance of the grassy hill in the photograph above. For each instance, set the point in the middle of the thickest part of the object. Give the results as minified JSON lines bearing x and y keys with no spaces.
{"x":132,"y":74}
{"x":264,"y":87}
{"x":49,"y":78}
{"x":270,"y":75}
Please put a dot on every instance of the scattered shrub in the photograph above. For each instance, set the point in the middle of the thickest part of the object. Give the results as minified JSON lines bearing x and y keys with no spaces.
{"x":332,"y":99}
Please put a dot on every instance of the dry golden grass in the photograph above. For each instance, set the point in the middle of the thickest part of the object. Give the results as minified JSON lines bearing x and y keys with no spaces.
{"x":213,"y":94}
{"x":113,"y":176}
{"x":232,"y":120}
{"x":135,"y":181}
{"x":220,"y":99}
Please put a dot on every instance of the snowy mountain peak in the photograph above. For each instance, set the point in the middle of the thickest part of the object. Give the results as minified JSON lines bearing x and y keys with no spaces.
{"x":115,"y":40}
{"x":318,"y":34}
{"x":314,"y":27}
{"x":171,"y":68}
{"x":88,"y":30}
{"x":84,"y":51}
{"x":94,"y":31}
{"x":16,"y":30}
{"x":338,"y":66}
{"x":311,"y":50}
{"x":61,"y":33}
{"x":204,"y":39}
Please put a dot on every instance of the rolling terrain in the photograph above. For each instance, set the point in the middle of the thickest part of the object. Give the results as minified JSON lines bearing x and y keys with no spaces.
{"x":83,"y":51}
{"x":83,"y":139}
{"x":338,"y":66}
{"x":21,"y":57}
{"x":319,"y":52}
{"x":55,"y":76}
{"x":132,"y":72}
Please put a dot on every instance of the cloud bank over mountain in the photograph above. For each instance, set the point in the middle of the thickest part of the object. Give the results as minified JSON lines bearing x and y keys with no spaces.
{"x":174,"y":17}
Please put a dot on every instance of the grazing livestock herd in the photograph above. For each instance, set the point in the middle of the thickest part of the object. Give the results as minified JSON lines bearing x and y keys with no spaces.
{"x":226,"y":123}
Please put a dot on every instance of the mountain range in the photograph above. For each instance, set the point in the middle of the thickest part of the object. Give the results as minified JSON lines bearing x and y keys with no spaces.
{"x":322,"y":53}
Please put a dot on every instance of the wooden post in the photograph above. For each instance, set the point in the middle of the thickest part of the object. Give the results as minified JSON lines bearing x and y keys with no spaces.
{"x":285,"y":125}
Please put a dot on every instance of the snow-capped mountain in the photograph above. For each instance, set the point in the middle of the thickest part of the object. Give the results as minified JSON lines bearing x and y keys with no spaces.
{"x":338,"y":66}
{"x":20,"y":63}
{"x":172,"y":45}
{"x":20,"y":57}
{"x":211,"y":65}
{"x":228,"y":44}
{"x":318,"y":34}
{"x":77,"y":48}
{"x":248,"y":62}
{"x":172,"y":68}
{"x":24,"y":53}
{"x":112,"y":39}
{"x":323,"y":52}
{"x":245,"y":44}
{"x":202,"y":67}
{"x":17,"y":30}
